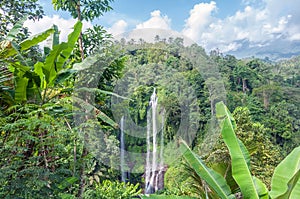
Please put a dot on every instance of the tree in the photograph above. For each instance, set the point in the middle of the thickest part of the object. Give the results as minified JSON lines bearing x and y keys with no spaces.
{"x":83,"y":10}
{"x":283,"y":123}
{"x":12,"y":11}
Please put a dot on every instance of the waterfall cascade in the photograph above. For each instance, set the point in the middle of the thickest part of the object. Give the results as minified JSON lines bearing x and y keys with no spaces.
{"x":154,"y":172}
{"x":155,"y":168}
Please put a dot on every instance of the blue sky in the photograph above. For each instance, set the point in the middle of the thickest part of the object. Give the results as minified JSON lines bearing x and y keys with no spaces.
{"x":176,"y":10}
{"x":137,"y":11}
{"x":226,"y":25}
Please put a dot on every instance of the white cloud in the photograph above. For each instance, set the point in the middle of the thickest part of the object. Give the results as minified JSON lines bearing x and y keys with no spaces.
{"x":200,"y":18}
{"x":64,"y":25}
{"x":156,"y":21}
{"x":118,"y":27}
{"x":259,"y":23}
{"x":295,"y":37}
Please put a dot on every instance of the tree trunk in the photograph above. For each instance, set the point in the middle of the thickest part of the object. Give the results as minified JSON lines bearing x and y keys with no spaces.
{"x":266,"y":100}
{"x":80,"y":42}
{"x":244,"y":86}
{"x":85,"y":151}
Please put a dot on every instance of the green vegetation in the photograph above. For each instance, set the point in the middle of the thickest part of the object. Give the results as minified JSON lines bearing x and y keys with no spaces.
{"x":56,"y":106}
{"x":285,"y":182}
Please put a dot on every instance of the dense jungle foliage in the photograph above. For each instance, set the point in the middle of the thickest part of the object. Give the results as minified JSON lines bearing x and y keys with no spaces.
{"x":59,"y":135}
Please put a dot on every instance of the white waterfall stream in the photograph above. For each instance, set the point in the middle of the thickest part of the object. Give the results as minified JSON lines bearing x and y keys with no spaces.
{"x":153,"y":171}
{"x":148,"y":167}
{"x":161,"y":157}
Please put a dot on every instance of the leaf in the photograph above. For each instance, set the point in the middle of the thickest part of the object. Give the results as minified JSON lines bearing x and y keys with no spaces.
{"x":63,"y":75}
{"x":153,"y":196}
{"x":52,"y":41}
{"x":245,"y":153}
{"x":72,"y":39}
{"x":86,"y":63}
{"x":38,"y":69}
{"x":106,"y":119}
{"x":212,"y":178}
{"x":285,"y":180}
{"x":225,"y":170}
{"x":88,"y":107}
{"x":67,"y":182}
{"x":36,"y":39}
{"x":102,"y":91}
{"x":261,"y":188}
{"x":50,"y":62}
{"x":21,"y":87}
{"x":59,"y":55}
{"x":55,"y":38}
{"x":14,"y":48}
{"x":240,"y":169}
{"x":16,"y":29}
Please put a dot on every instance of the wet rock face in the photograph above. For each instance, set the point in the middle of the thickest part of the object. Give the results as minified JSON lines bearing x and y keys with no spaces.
{"x":157,"y":183}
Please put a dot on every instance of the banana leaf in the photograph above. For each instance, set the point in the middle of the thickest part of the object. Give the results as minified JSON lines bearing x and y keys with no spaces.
{"x":36,"y":39}
{"x":89,"y":108}
{"x":59,"y":55}
{"x":153,"y":196}
{"x":26,"y":44}
{"x":212,"y":178}
{"x":240,"y":168}
{"x":285,"y":181}
{"x":261,"y":188}
{"x":12,"y":34}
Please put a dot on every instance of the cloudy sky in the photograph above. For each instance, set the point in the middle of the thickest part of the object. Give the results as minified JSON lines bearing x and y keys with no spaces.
{"x":226,"y":25}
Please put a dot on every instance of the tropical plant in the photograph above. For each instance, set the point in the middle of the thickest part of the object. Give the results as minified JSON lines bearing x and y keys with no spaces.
{"x":36,"y":151}
{"x":35,"y":81}
{"x":113,"y":190}
{"x":40,"y":156}
{"x":83,"y":10}
{"x":12,"y":11}
{"x":6,"y":84}
{"x":153,"y":196}
{"x":284,"y":184}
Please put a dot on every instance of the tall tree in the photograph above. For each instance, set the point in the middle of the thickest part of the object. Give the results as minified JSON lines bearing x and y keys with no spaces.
{"x":12,"y":11}
{"x":83,"y":10}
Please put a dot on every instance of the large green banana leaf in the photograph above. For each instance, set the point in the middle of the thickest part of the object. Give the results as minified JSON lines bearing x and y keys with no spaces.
{"x":285,"y":180}
{"x":212,"y":178}
{"x":261,"y":188}
{"x":15,"y":29}
{"x":153,"y":196}
{"x":13,"y":48}
{"x":240,"y":168}
{"x":59,"y":54}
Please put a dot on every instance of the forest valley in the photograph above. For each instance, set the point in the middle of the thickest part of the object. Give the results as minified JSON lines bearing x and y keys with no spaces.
{"x":227,"y":127}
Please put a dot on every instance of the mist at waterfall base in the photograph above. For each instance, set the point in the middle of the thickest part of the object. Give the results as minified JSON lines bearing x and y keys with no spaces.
{"x":154,"y":166}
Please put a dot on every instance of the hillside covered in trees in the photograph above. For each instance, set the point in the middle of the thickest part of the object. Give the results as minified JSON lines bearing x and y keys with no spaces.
{"x":61,"y":109}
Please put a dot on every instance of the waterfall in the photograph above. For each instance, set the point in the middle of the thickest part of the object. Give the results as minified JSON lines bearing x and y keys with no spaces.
{"x":153,"y":104}
{"x":122,"y":142}
{"x":148,"y":167}
{"x":153,"y":173}
{"x":161,"y":155}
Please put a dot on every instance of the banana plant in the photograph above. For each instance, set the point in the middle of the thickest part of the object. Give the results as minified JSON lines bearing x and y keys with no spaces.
{"x":285,"y":180}
{"x":37,"y":81}
{"x":239,"y":155}
{"x":211,"y":177}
